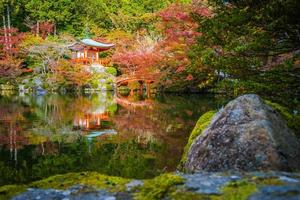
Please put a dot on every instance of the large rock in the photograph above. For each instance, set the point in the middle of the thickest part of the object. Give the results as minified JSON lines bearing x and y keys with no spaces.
{"x":246,"y":135}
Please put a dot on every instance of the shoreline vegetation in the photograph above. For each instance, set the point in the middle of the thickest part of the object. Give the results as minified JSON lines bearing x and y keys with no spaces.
{"x":229,"y":48}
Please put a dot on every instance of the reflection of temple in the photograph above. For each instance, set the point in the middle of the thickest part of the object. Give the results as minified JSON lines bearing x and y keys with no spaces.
{"x":91,"y":120}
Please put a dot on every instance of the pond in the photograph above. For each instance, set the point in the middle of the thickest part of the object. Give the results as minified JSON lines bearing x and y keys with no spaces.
{"x":131,"y":137}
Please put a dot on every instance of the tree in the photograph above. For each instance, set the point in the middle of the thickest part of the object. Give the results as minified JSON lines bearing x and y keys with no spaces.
{"x":59,"y":12}
{"x":46,"y":54}
{"x":165,"y":51}
{"x":241,"y":42}
{"x":68,"y":74}
{"x":140,"y":57}
{"x":10,"y":39}
{"x":10,"y":68}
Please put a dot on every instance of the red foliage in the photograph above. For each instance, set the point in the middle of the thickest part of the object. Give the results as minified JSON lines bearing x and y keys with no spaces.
{"x":200,"y":9}
{"x":137,"y":62}
{"x":43,"y":29}
{"x":10,"y":66}
{"x":10,"y":44}
{"x":168,"y":54}
{"x":189,"y":77}
{"x":177,"y":25}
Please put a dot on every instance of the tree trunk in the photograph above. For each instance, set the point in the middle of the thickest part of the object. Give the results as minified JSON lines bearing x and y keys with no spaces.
{"x":9,"y":29}
{"x":37,"y":28}
{"x":5,"y":34}
{"x":54,"y":31}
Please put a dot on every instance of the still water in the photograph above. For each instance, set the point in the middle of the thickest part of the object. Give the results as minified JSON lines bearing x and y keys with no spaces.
{"x":131,"y":137}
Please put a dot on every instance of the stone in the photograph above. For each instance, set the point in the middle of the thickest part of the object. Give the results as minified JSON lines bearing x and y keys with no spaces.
{"x":286,"y":192}
{"x":77,"y":192}
{"x":207,"y":183}
{"x":133,"y":184}
{"x":246,"y":135}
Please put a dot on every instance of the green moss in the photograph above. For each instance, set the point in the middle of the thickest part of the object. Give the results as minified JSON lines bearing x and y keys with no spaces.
{"x":110,"y":183}
{"x":158,"y":187}
{"x":202,"y":124}
{"x":111,"y":70}
{"x":239,"y":190}
{"x":8,"y":191}
{"x":187,"y":195}
{"x":267,"y":181}
{"x":293,"y":121}
{"x":124,"y":90}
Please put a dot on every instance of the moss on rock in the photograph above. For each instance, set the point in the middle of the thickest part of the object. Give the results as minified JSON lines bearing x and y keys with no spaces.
{"x":8,"y":191}
{"x":158,"y":187}
{"x":242,"y":189}
{"x":110,"y":183}
{"x":188,"y":195}
{"x":293,"y":121}
{"x":201,"y":125}
{"x":239,"y":190}
{"x":165,"y":186}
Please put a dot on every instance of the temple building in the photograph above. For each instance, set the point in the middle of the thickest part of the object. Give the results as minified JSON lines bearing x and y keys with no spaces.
{"x":87,"y":51}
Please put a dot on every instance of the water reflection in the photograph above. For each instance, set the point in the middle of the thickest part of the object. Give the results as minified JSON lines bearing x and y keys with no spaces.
{"x":130,"y":137}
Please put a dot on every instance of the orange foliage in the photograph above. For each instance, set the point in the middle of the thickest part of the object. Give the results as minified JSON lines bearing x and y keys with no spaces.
{"x":66,"y":73}
{"x":10,"y":67}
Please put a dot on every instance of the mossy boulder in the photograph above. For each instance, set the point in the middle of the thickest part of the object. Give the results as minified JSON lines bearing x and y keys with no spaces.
{"x":246,"y":135}
{"x":201,"y":125}
{"x":101,"y":81}
{"x":111,"y":70}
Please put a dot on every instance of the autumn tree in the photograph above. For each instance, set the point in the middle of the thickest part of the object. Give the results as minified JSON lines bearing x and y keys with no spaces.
{"x":65,"y":73}
{"x":180,"y":31}
{"x":166,"y":50}
{"x":45,"y":55}
{"x":140,"y":57}
{"x":10,"y":68}
{"x":10,"y":38}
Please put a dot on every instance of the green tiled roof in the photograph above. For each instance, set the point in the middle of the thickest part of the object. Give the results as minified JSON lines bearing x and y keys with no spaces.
{"x":90,"y":42}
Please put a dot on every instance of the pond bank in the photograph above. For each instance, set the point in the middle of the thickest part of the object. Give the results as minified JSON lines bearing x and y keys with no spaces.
{"x":200,"y":185}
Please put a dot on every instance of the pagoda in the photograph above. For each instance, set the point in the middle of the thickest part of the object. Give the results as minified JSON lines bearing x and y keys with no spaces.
{"x":87,"y":51}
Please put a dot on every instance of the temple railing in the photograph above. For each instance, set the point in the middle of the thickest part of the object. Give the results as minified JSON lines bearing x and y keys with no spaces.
{"x":103,"y":61}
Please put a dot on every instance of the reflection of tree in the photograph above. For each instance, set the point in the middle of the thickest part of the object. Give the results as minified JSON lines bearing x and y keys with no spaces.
{"x":146,"y":137}
{"x":38,"y":119}
{"x":11,"y":120}
{"x":112,"y":155}
{"x":168,"y":120}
